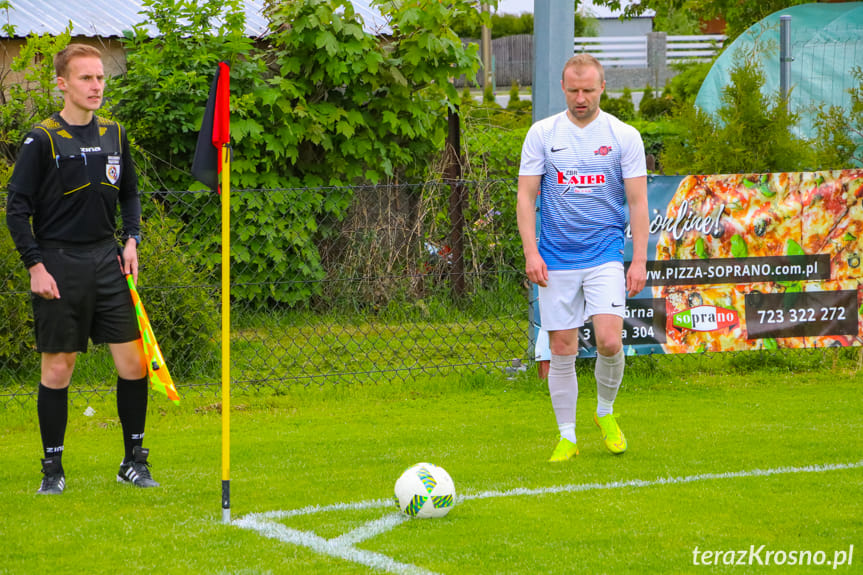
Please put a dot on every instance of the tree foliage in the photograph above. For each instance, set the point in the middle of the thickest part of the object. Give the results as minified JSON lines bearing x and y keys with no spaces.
{"x":749,"y":133}
{"x":351,"y":107}
{"x":840,"y":131}
{"x":27,"y":93}
{"x":676,"y":18}
{"x":738,"y":15}
{"x":502,"y":25}
{"x":685,"y":85}
{"x":622,"y":107}
{"x":160,"y":98}
{"x":318,"y":107}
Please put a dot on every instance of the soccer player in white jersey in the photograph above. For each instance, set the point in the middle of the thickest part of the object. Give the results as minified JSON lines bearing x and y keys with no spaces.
{"x":589,"y":166}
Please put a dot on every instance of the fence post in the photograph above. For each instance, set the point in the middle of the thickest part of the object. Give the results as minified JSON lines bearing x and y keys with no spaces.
{"x":553,"y":45}
{"x":785,"y":58}
{"x":487,"y":65}
{"x":657,"y":61}
{"x":453,"y":174}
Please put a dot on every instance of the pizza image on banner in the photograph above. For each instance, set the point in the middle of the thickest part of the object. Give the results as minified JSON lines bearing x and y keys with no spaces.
{"x":787,"y":245}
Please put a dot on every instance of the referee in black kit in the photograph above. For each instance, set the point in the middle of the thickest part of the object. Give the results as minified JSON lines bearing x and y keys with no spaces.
{"x":72,"y":170}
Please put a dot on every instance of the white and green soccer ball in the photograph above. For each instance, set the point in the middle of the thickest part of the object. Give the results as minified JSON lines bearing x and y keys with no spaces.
{"x":425,"y":490}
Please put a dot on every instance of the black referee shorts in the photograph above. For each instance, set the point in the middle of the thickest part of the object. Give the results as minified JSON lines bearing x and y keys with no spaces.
{"x":94,"y":303}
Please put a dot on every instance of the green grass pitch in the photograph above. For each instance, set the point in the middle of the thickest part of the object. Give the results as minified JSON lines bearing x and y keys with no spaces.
{"x":720,"y":460}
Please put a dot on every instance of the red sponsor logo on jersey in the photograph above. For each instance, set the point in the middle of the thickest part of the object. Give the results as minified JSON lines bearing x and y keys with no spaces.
{"x":573,"y":178}
{"x":602,"y":151}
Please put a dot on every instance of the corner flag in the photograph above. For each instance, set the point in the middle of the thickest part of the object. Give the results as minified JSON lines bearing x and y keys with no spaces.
{"x":212,"y":166}
{"x":215,"y":131}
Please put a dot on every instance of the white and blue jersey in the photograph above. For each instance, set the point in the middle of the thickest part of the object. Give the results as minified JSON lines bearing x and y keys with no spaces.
{"x":582,"y":194}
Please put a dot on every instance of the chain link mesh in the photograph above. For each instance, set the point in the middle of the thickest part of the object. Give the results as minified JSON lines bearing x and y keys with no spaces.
{"x":356,"y":296}
{"x":384,"y":289}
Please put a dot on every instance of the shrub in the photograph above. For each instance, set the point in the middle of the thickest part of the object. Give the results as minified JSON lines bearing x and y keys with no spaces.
{"x":26,"y":102}
{"x":320,"y":108}
{"x":466,"y":97}
{"x":182,"y":308}
{"x":650,"y":107}
{"x":654,"y":134}
{"x":621,"y":107}
{"x":181,"y":305}
{"x":513,"y":93}
{"x":749,"y":133}
{"x":685,"y":85}
{"x":839,"y":143}
{"x":17,"y":344}
{"x":515,"y":103}
{"x":488,"y":95}
{"x":522,"y":107}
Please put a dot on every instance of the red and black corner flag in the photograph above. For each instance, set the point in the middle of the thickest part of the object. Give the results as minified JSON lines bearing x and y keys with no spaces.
{"x":215,"y":130}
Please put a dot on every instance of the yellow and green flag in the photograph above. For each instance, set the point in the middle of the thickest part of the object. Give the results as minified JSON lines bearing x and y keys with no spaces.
{"x":157,"y":369}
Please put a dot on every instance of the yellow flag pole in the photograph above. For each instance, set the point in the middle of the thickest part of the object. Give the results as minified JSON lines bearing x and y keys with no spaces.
{"x":226,"y":333}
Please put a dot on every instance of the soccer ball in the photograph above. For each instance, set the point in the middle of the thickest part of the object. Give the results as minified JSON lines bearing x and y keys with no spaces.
{"x":425,"y":490}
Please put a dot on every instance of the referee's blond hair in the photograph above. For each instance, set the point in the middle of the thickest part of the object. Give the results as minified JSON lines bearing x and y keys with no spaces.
{"x":70,"y":52}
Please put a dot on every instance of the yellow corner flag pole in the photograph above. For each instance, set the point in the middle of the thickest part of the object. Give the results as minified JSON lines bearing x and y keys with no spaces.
{"x":226,"y":333}
{"x":212,"y":167}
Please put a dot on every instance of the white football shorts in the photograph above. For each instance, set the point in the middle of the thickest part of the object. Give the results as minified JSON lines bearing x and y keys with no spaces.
{"x":574,"y":296}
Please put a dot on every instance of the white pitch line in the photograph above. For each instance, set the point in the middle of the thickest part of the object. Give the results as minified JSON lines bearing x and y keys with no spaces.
{"x":370,"y":529}
{"x":571,"y":488}
{"x":343,"y":546}
{"x":334,"y":547}
{"x":663,"y":480}
{"x":312,"y":509}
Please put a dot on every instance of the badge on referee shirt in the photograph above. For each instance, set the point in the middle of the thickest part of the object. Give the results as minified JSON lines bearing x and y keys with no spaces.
{"x":112,"y":169}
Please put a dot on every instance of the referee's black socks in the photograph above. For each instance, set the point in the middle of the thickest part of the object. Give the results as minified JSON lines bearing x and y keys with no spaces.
{"x":52,"y":407}
{"x":132,"y":397}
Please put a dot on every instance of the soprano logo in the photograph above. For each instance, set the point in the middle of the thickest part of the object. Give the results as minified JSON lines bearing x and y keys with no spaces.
{"x":602,"y":151}
{"x":705,"y":318}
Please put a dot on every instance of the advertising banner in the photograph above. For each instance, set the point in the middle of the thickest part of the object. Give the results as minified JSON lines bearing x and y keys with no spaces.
{"x":747,"y":261}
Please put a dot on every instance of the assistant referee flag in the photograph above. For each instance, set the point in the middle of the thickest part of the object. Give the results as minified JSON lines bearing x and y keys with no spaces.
{"x":215,"y":130}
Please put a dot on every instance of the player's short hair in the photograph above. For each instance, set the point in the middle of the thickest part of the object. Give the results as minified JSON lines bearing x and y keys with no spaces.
{"x":70,"y":52}
{"x":584,"y":60}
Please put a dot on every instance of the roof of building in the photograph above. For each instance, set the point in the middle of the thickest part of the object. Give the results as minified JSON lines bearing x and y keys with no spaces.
{"x":110,"y":18}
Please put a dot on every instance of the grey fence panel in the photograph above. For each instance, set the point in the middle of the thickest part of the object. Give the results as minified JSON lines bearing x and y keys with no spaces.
{"x":630,"y":61}
{"x":513,"y":60}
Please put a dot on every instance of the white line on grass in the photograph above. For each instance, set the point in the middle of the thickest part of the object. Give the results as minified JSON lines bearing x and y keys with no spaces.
{"x":663,"y":480}
{"x":338,"y":547}
{"x":343,"y":546}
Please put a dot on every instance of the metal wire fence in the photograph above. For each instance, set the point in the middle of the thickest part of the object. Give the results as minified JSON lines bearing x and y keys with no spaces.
{"x":330,"y":286}
{"x":382,"y":288}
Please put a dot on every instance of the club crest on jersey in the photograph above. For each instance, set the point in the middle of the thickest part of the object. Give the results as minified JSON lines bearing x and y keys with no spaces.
{"x":571,"y":177}
{"x":602,"y":151}
{"x":112,"y":169}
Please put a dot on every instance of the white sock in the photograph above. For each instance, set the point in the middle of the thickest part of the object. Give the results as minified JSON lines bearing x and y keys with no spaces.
{"x":567,"y":431}
{"x":609,"y":374}
{"x":563,"y":388}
